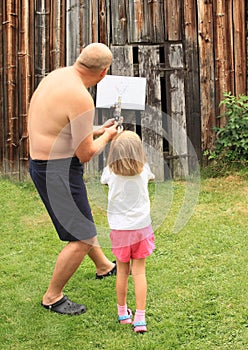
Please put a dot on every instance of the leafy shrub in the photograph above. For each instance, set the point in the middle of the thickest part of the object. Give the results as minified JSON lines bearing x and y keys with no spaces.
{"x":231,"y":144}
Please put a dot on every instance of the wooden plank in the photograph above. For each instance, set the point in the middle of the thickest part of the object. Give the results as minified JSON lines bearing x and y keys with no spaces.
{"x":151,"y":118}
{"x":4,"y":86}
{"x":84,"y":24}
{"x":156,"y":21}
{"x":173,"y":18}
{"x":94,"y":20}
{"x":72,"y":31}
{"x":224,"y":60}
{"x":207,"y":76}
{"x":229,"y":61}
{"x":2,"y":97}
{"x":62,"y":34}
{"x":177,"y":124}
{"x":246,"y":16}
{"x":88,"y":22}
{"x":53,"y":35}
{"x":239,"y":48}
{"x":122,"y":60}
{"x":24,"y":84}
{"x":31,"y":42}
{"x":10,"y":59}
{"x":119,"y":22}
{"x":104,"y":15}
{"x":192,"y":83}
{"x":57,"y":32}
{"x":42,"y":44}
{"x":137,"y":21}
{"x":85,"y":18}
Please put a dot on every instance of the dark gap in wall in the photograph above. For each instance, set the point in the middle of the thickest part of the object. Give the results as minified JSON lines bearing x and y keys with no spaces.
{"x":135,"y":61}
{"x":161,"y":54}
{"x":135,"y":55}
{"x":164,"y":113}
{"x":138,"y":123}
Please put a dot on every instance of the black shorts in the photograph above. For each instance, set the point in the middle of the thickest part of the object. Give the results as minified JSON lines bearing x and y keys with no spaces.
{"x":61,"y":187}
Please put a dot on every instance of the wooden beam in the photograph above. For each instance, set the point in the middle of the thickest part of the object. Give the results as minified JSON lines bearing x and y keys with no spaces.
{"x":2,"y":94}
{"x":137,"y":21}
{"x":119,"y":22}
{"x":207,"y":72}
{"x":239,"y":47}
{"x":104,"y":22}
{"x":10,"y":22}
{"x":94,"y":20}
{"x":57,"y":34}
{"x":151,"y":118}
{"x":224,"y":58}
{"x":176,"y":109}
{"x":72,"y":31}
{"x":173,"y":18}
{"x":192,"y":83}
{"x":41,"y":42}
{"x":156,"y":21}
{"x":24,"y":91}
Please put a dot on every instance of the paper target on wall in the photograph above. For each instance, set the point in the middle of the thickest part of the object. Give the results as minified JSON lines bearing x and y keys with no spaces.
{"x":131,"y":90}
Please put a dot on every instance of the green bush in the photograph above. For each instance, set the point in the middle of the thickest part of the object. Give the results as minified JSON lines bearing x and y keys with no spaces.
{"x":231,"y":144}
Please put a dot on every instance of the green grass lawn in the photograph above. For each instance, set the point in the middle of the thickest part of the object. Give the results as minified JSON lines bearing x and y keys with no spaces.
{"x":197,"y":277}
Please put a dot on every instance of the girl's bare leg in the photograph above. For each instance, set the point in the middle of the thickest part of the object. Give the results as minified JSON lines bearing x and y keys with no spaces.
{"x":123,"y":271}
{"x":140,"y":286}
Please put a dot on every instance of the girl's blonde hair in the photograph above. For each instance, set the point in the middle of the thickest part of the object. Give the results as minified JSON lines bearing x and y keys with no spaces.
{"x":126,"y":154}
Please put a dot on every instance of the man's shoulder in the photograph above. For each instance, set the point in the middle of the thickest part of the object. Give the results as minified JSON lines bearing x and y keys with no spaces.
{"x":80,"y":95}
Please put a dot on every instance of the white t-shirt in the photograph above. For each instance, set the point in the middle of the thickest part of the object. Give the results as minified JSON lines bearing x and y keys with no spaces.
{"x":128,"y":199}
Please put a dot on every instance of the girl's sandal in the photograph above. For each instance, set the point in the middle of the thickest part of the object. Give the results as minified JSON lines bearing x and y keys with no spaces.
{"x":126,"y":319}
{"x":139,"y":327}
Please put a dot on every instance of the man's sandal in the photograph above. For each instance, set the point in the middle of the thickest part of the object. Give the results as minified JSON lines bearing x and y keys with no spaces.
{"x":139,"y":327}
{"x":66,"y":307}
{"x":108,"y":274}
{"x":126,"y":319}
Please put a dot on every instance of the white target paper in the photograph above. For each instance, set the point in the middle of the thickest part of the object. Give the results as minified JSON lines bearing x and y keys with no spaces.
{"x":132,"y":91}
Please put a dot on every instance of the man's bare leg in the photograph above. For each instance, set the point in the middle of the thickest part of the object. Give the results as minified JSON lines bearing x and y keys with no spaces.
{"x":103,"y":264}
{"x":67,"y":263}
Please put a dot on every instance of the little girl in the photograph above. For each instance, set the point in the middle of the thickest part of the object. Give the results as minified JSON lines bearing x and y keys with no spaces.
{"x":127,"y":175}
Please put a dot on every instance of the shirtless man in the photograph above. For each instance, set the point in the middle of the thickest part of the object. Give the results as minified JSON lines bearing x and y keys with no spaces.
{"x":61,"y":137}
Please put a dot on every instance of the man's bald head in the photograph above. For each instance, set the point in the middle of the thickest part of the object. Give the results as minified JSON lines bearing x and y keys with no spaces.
{"x":95,"y":57}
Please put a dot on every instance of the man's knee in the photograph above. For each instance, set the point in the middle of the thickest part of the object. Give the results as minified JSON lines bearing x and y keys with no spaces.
{"x":80,"y":247}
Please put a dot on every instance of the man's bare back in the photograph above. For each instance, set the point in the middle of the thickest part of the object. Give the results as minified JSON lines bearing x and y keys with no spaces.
{"x":51,"y":107}
{"x":61,"y":115}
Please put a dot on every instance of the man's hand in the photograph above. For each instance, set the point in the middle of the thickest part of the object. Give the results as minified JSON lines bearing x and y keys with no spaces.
{"x":108,"y":123}
{"x":101,"y":129}
{"x":111,"y":130}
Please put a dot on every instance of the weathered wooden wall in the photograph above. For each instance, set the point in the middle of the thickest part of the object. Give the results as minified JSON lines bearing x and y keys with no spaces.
{"x":190,"y":51}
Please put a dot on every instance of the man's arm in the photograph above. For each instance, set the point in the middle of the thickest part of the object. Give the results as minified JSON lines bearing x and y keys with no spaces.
{"x":81,"y":122}
{"x":89,"y":148}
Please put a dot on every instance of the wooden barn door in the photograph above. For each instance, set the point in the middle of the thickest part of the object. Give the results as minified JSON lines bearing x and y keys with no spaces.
{"x":165,"y":141}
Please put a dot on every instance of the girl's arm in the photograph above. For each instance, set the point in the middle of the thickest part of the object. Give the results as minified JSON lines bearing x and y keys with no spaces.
{"x":105,"y":176}
{"x":150,"y":175}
